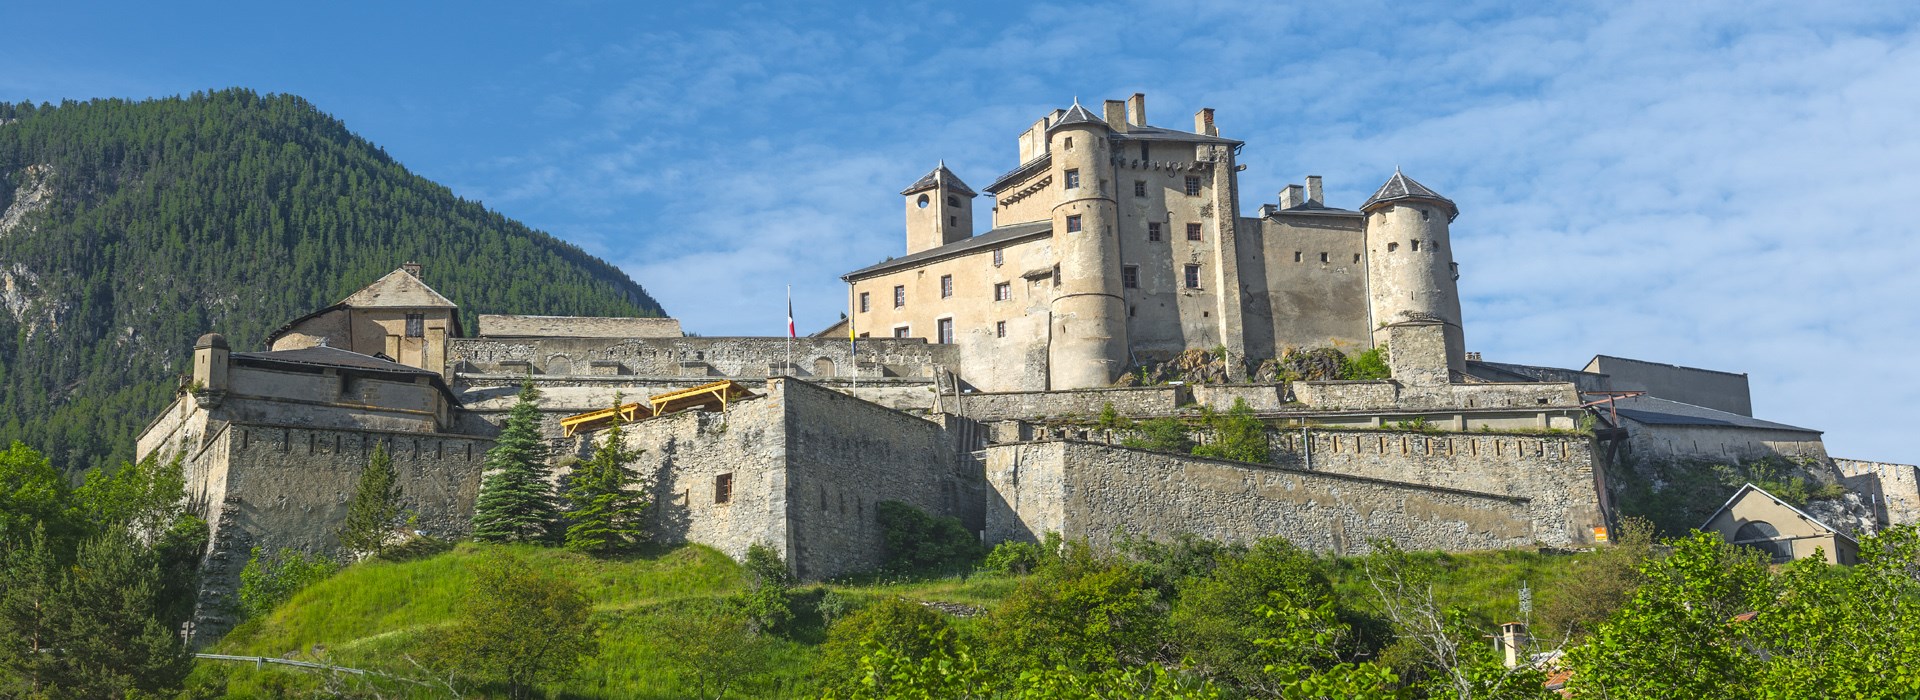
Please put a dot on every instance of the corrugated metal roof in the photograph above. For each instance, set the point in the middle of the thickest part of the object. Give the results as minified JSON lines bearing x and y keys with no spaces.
{"x":1004,"y":234}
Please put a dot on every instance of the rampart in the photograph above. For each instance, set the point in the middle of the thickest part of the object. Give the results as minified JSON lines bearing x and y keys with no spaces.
{"x":699,"y":357}
{"x":513,"y":325}
{"x":1081,"y":489}
{"x":1893,"y":490}
{"x":1080,"y":403}
{"x":1387,"y":394}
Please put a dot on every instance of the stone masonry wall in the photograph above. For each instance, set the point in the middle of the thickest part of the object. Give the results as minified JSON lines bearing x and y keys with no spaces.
{"x":578,"y":326}
{"x":755,"y":357}
{"x":286,"y":487}
{"x":1096,"y":491}
{"x":1084,"y":403}
{"x":683,"y":457}
{"x":1892,"y":489}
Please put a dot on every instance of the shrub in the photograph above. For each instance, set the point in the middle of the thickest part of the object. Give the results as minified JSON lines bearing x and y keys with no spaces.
{"x":1371,"y":364}
{"x":767,"y":603}
{"x":520,"y":628}
{"x":1021,"y":558}
{"x":1161,"y":435}
{"x":266,"y":582}
{"x":906,"y":629}
{"x":911,"y":540}
{"x":1238,"y":435}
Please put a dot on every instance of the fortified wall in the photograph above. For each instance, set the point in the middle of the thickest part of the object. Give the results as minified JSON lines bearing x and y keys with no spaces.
{"x":1891,"y":490}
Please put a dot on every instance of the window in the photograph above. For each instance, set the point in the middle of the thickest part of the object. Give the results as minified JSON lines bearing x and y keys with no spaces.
{"x":1392,"y":247}
{"x":1323,"y":257}
{"x":953,"y":201}
{"x":1003,"y":291}
{"x":922,"y":201}
{"x":863,"y":303}
{"x":1193,"y":184}
{"x":1424,"y":215}
{"x":1073,"y":223}
{"x":953,"y":221}
{"x":899,"y":296}
{"x":1073,"y":179}
{"x":1296,"y":256}
{"x":1416,"y":245}
{"x":1193,"y":232}
{"x":1130,"y":277}
{"x":901,"y":332}
{"x":946,"y":286}
{"x":1153,"y":231}
{"x":944,"y":330}
{"x":723,"y":488}
{"x":416,"y":325}
{"x":999,"y":329}
{"x":1056,"y":275}
{"x":1143,"y":151}
{"x":1139,"y":188}
{"x":999,"y":256}
{"x":1193,"y":277}
{"x":1068,"y":145}
{"x":1356,"y":258}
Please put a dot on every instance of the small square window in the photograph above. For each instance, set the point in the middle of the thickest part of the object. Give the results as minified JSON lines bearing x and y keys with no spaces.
{"x":902,"y":332}
{"x":1193,"y":184}
{"x":1130,"y":277}
{"x":1193,"y":277}
{"x":1324,"y":258}
{"x":953,"y":201}
{"x":1003,"y":291}
{"x":999,"y":256}
{"x":863,"y":303}
{"x":899,"y":296}
{"x":999,"y":329}
{"x":1139,"y":188}
{"x":953,"y":221}
{"x":946,"y":286}
{"x":1153,"y":231}
{"x":1193,"y":232}
{"x":416,"y":325}
{"x":1068,"y":145}
{"x":1073,"y":223}
{"x":1073,"y":179}
{"x":1356,"y":258}
{"x":1416,"y":246}
{"x":723,"y":488}
{"x":1296,"y":256}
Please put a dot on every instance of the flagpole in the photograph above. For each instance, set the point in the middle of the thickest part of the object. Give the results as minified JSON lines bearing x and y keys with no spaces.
{"x":853,"y":345}
{"x":790,"y":331}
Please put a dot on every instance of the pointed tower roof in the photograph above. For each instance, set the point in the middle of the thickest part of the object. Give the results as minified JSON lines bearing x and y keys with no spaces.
{"x":1076,"y":115}
{"x":1401,"y":187}
{"x":940,"y":176}
{"x":398,"y":289}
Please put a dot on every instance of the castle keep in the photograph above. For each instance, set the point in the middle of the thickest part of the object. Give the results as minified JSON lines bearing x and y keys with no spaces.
{"x":981,"y":362}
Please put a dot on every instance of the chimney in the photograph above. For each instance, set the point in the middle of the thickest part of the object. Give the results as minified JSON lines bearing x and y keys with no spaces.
{"x":1290,"y":197}
{"x":1116,"y":115}
{"x":412,"y":268}
{"x":1512,"y":643}
{"x":1203,"y":122}
{"x":1137,"y":109}
{"x":1313,"y":190}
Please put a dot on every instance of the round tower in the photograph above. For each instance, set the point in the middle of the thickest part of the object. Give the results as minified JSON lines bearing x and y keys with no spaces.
{"x":1088,"y":343}
{"x":1411,"y":276}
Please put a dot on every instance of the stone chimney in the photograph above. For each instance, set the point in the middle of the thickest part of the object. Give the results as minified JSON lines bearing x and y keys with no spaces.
{"x":1203,"y":122}
{"x":1290,"y":197}
{"x":1116,"y":115}
{"x":412,"y":268}
{"x":1137,"y":109}
{"x":1313,"y":191}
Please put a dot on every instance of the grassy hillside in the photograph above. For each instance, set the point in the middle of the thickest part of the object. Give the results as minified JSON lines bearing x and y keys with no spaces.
{"x":373,"y":615}
{"x":127,"y":229}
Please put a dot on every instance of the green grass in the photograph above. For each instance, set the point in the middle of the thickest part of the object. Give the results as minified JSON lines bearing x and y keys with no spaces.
{"x":1485,"y":585}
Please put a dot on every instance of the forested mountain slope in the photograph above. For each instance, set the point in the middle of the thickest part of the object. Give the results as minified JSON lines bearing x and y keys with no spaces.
{"x":127,"y":229}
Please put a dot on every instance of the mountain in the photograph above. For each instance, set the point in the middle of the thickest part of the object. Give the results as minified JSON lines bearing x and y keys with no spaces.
{"x":127,"y":229}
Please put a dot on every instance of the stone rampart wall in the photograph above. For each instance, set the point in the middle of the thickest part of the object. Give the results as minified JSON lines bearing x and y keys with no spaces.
{"x":1259,"y":397}
{"x":755,"y":357}
{"x":719,"y":479}
{"x":1097,"y":492}
{"x":1721,"y":443}
{"x":1082,"y":403}
{"x":1892,"y":489}
{"x":1391,"y":395}
{"x":515,"y":325}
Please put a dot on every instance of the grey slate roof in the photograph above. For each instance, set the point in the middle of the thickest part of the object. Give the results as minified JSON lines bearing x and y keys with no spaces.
{"x":323,"y":356}
{"x":1317,"y":208}
{"x":1154,"y":133}
{"x":1004,"y":234}
{"x":1076,"y":115}
{"x":1402,"y":187}
{"x":1648,"y":410}
{"x":934,"y":178}
{"x":1039,"y":162}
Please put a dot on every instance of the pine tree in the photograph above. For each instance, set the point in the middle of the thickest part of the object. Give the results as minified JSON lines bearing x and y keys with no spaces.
{"x":112,"y":642}
{"x":605,"y":511}
{"x":29,"y":615}
{"x":516,"y":498}
{"x":375,"y":507}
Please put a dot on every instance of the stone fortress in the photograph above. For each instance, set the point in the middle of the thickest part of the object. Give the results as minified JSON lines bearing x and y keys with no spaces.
{"x":980,"y":363}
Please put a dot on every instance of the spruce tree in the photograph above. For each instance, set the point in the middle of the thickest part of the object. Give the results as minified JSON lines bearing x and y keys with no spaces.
{"x":375,"y":507}
{"x":516,"y":499}
{"x":606,"y":510}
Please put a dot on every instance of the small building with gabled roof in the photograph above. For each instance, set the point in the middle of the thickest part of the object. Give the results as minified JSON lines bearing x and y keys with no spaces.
{"x":1758,"y":519}
{"x":398,"y":316}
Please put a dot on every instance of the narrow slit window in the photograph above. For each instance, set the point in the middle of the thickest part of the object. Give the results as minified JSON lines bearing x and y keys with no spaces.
{"x":864,"y":302}
{"x":899,"y":296}
{"x":723,"y":488}
{"x":999,"y":256}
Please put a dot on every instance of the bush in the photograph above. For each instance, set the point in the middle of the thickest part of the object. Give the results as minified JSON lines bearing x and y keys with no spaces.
{"x":912,"y":541}
{"x":1371,"y":364}
{"x":1238,"y":435}
{"x":1021,"y":558}
{"x":267,"y":582}
{"x":1081,"y":613}
{"x":520,"y":628}
{"x":1161,"y":435}
{"x":767,"y":604}
{"x":1268,"y":592}
{"x":903,"y":628}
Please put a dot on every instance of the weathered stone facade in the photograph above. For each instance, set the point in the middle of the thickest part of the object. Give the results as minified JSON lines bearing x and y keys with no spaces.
{"x":1891,"y":490}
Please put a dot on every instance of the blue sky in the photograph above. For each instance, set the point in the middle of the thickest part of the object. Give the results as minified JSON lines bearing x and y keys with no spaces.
{"x":1719,"y":184}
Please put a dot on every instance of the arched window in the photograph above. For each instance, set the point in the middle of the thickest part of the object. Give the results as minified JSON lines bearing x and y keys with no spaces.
{"x":823,"y":367}
{"x":1762,"y":535}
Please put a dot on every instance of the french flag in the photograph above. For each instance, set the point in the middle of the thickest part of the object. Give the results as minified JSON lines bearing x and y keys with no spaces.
{"x":790,"y":332}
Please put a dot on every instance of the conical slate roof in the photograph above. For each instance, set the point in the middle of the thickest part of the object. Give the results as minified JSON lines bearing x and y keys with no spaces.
{"x":1076,"y":115}
{"x":1402,"y":187}
{"x":938,"y":176}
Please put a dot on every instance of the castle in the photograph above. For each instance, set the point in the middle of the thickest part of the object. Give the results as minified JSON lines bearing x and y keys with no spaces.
{"x":980,"y":363}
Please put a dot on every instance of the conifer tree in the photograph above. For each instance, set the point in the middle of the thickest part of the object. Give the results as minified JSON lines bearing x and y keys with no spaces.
{"x":375,"y":507}
{"x":516,"y":498}
{"x":606,"y":510}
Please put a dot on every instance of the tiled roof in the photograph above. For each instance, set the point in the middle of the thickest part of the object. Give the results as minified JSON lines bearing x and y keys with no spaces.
{"x":940,"y":174}
{"x":1648,"y":410}
{"x":1402,"y":187}
{"x":1004,"y":234}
